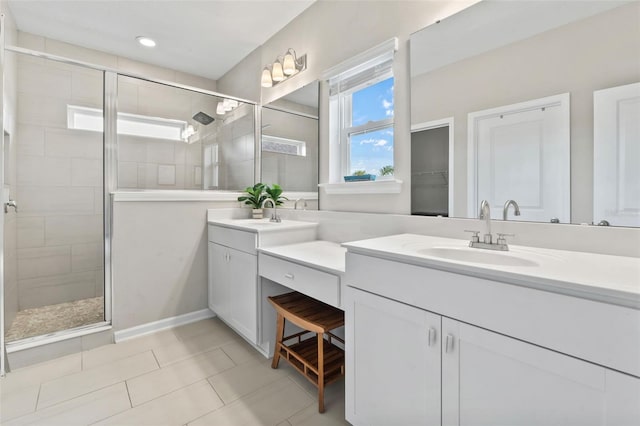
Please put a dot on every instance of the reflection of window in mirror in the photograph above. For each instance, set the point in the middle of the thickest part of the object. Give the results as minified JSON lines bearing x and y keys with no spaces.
{"x":361,"y":102}
{"x":211,"y":166}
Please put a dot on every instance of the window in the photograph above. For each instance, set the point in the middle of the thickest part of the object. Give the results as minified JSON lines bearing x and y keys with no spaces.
{"x":362,"y":115}
{"x":83,"y":118}
{"x":284,"y":146}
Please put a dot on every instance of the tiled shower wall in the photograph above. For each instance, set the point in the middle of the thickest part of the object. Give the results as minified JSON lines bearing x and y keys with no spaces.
{"x":59,"y":185}
{"x":236,"y":139}
{"x":149,"y":163}
{"x":10,"y":296}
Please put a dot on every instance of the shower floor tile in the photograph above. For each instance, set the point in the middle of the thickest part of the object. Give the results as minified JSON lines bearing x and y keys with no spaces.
{"x":48,"y":319}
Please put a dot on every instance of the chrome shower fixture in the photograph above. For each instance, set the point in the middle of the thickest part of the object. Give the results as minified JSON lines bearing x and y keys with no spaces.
{"x":203,"y":118}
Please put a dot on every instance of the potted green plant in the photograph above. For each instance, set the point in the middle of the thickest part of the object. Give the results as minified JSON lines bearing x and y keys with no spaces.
{"x":358,"y":176}
{"x":274,"y":194}
{"x":254,"y":198}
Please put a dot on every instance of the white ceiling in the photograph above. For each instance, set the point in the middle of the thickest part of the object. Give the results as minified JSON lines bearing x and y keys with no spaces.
{"x":202,"y":37}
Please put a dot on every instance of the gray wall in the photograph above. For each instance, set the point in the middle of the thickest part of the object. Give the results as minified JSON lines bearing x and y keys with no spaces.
{"x":159,"y":260}
{"x":591,"y":54}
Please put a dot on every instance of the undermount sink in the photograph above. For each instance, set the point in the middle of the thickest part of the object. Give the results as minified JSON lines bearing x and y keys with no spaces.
{"x":474,"y":255}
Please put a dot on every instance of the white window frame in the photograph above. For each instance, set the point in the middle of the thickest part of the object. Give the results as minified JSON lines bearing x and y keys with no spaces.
{"x":340,"y":128}
{"x":348,"y":131}
{"x":178,"y":127}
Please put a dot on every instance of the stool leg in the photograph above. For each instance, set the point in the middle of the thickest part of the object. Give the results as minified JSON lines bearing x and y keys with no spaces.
{"x":320,"y":372}
{"x":279,"y":336}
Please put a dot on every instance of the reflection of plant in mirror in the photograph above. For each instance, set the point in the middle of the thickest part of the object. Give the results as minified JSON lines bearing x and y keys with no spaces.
{"x":256,"y":195}
{"x":360,"y":173}
{"x":386,"y":171}
{"x":275,"y":194}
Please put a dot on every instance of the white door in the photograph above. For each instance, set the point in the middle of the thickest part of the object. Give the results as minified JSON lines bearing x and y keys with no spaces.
{"x":521,"y":152}
{"x":491,"y":379}
{"x":392,"y":362}
{"x":243,"y":289}
{"x":219,"y":280}
{"x":616,"y":155}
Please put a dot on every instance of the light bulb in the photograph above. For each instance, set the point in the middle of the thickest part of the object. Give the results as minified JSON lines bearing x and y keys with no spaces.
{"x":276,"y":72}
{"x":226,"y":104}
{"x":289,"y":63}
{"x":233,"y":103}
{"x":220,"y":109}
{"x":266,"y":78}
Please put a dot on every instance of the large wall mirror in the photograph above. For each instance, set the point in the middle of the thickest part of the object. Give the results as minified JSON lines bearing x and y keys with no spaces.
{"x":538,"y":102}
{"x":290,"y":141}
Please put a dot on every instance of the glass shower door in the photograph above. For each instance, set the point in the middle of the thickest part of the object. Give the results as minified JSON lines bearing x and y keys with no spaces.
{"x":54,"y":236}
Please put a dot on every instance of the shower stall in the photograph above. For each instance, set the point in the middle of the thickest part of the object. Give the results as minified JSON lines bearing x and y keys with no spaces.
{"x":73,"y":134}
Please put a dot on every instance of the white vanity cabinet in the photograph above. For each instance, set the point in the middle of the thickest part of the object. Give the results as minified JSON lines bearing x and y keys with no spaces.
{"x":490,"y":379}
{"x":233,"y":279}
{"x":392,"y":362}
{"x":504,"y":354}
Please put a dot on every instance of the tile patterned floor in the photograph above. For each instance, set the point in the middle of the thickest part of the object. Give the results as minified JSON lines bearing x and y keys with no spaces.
{"x":47,"y":319}
{"x":198,"y":375}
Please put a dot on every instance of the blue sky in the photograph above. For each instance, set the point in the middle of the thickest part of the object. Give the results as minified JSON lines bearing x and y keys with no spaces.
{"x":373,"y":150}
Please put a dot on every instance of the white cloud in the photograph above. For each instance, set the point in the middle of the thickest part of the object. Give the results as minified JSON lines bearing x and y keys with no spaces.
{"x":386,"y":104}
{"x":375,"y":142}
{"x":389,"y":112}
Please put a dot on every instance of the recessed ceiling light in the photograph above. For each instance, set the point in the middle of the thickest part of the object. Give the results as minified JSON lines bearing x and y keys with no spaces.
{"x":146,"y":41}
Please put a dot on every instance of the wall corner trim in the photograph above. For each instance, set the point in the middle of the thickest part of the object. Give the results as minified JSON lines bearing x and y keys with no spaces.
{"x":163,"y":324}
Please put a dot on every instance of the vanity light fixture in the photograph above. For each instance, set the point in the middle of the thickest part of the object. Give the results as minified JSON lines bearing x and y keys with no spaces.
{"x":146,"y":41}
{"x":284,"y":67}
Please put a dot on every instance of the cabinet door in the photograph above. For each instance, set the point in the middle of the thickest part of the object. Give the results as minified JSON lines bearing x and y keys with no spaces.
{"x":218,"y":280}
{"x":243,"y":293}
{"x":393,"y":362}
{"x":491,"y":379}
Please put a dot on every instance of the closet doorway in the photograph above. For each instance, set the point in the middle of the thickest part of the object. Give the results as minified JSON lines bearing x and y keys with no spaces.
{"x":432,"y":168}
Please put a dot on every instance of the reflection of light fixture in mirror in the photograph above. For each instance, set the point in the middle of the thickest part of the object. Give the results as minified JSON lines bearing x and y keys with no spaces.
{"x":188,"y":132}
{"x":226,"y":105}
{"x":283,"y":68}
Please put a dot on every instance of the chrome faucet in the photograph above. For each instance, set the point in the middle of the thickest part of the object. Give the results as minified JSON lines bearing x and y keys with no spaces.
{"x":304,"y":205}
{"x":487,"y":241}
{"x":485,"y":213}
{"x":274,"y":216}
{"x":505,"y":209}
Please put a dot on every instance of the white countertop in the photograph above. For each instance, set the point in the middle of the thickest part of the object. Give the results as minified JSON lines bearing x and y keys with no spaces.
{"x":323,"y":255}
{"x":262,"y":225}
{"x":611,"y":279}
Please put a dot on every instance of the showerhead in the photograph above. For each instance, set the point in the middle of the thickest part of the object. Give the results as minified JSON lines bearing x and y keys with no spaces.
{"x":203,"y":118}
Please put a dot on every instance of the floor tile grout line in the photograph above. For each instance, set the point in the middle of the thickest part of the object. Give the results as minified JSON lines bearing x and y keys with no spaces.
{"x":97,"y":389}
{"x":180,"y":388}
{"x":156,"y":358}
{"x":126,"y":384}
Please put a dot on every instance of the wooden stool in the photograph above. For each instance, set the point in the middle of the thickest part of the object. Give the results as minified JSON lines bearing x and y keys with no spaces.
{"x":319,"y":360}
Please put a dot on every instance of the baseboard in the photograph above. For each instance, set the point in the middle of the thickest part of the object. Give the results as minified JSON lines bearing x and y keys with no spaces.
{"x":163,"y":324}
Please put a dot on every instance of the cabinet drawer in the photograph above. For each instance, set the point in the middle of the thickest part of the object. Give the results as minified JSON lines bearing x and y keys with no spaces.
{"x":239,"y":240}
{"x":317,"y":284}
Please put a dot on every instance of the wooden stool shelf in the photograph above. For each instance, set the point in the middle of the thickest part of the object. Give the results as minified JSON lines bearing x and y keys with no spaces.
{"x":319,"y":359}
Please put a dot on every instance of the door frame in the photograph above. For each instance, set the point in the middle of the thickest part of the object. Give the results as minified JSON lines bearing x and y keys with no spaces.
{"x":562,"y":100}
{"x":2,"y":325}
{"x":436,"y":124}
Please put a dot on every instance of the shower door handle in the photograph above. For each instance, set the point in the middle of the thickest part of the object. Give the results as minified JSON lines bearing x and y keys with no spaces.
{"x":10,"y":203}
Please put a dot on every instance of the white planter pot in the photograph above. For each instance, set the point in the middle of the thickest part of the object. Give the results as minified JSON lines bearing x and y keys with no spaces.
{"x":256,"y":213}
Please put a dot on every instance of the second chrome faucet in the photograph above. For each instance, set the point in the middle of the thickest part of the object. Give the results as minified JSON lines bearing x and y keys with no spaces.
{"x":487,"y":238}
